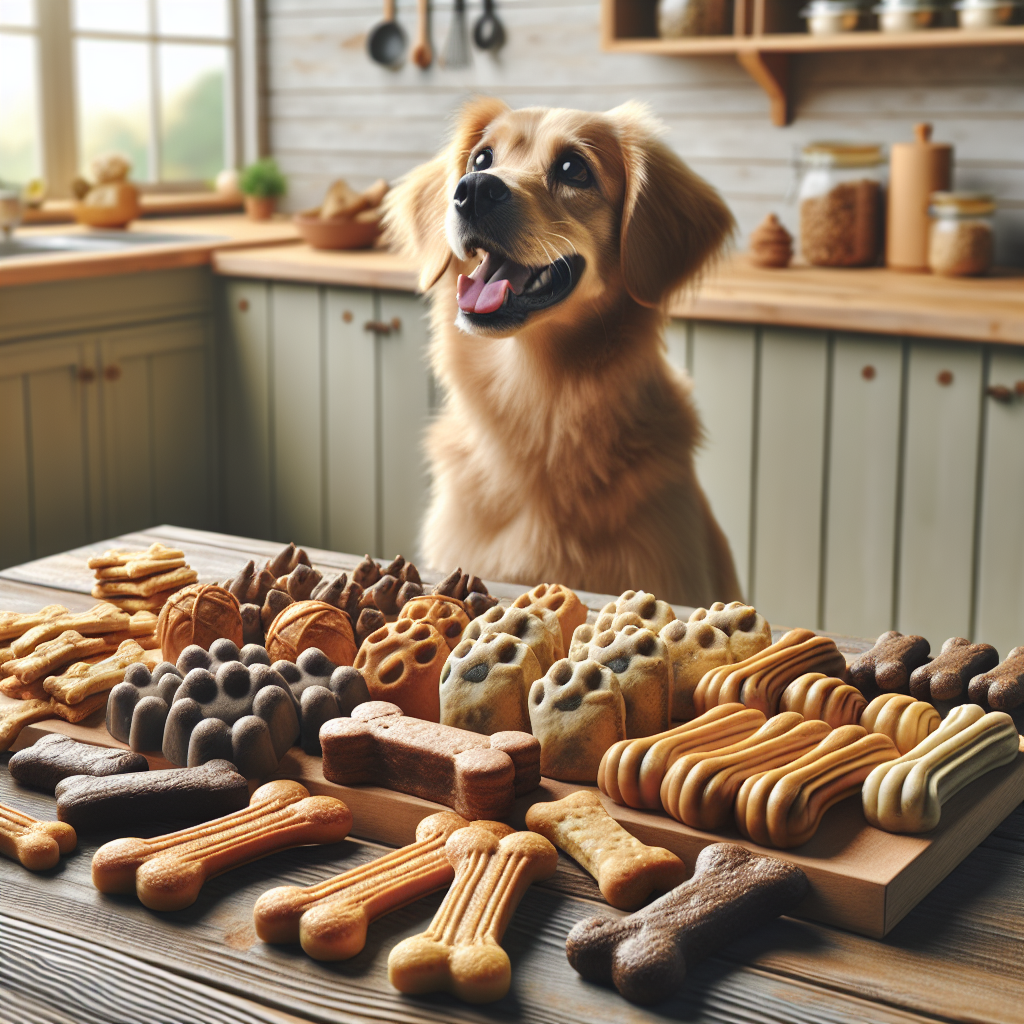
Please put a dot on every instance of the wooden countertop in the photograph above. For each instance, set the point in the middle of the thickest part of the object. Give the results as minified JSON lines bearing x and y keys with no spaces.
{"x":154,"y":204}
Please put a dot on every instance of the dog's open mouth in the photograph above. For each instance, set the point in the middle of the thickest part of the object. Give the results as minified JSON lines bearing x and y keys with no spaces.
{"x":503,"y":292}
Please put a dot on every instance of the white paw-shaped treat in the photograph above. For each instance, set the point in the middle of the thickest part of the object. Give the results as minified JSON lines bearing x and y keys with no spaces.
{"x":639,"y":660}
{"x":485,"y":684}
{"x":537,"y":627}
{"x":653,"y":614}
{"x":576,"y":713}
{"x":747,"y":629}
{"x":694,"y":648}
{"x":568,"y":608}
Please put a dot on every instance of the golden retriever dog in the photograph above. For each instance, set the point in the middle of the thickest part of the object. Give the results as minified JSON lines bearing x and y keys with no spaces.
{"x":549,"y":241}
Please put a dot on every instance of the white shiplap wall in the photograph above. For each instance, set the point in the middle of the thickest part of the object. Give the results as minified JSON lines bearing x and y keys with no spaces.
{"x":334,"y":113}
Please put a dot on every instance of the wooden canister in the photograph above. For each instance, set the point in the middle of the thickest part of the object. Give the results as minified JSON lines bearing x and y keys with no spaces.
{"x":916,"y":169}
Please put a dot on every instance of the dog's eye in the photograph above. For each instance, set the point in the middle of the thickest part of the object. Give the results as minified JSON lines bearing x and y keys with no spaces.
{"x":483,"y":159}
{"x":571,"y":169}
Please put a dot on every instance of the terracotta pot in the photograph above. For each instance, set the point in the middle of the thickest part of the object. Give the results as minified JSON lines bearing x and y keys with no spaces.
{"x":260,"y":207}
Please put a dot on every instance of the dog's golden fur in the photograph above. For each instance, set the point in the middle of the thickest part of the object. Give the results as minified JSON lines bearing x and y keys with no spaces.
{"x":564,"y":453}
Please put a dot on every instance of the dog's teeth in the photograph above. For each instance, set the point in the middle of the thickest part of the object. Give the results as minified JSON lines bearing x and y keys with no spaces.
{"x":542,"y":280}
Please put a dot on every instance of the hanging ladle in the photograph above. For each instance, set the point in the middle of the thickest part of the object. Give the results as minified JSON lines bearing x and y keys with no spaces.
{"x":386,"y":41}
{"x":488,"y":32}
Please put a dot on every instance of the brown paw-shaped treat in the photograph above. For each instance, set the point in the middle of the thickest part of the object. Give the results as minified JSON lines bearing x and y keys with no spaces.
{"x":286,"y":560}
{"x":538,"y":628}
{"x":305,"y":624}
{"x":1002,"y":689}
{"x":383,"y":595}
{"x":655,"y":615}
{"x":747,"y":629}
{"x":827,"y":698}
{"x":402,"y":664}
{"x":273,"y":604}
{"x":369,"y":621}
{"x":888,"y":665}
{"x":947,"y":676}
{"x":198,"y":614}
{"x":570,"y":611}
{"x":694,"y":648}
{"x":446,"y":614}
{"x":904,"y":719}
{"x":366,"y":573}
{"x":485,"y":684}
{"x":250,"y":585}
{"x":577,"y":713}
{"x":639,"y":660}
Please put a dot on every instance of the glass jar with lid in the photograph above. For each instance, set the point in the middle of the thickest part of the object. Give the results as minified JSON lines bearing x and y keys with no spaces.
{"x":828,"y":17}
{"x":840,"y":203}
{"x":960,"y":241}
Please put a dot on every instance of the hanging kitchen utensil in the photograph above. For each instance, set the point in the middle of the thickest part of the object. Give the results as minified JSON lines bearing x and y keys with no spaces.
{"x":386,"y":42}
{"x":456,"y":47}
{"x":422,"y":54}
{"x":489,"y":33}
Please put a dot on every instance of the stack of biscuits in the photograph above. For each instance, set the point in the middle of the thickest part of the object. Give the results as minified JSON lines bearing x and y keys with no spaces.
{"x":138,"y":581}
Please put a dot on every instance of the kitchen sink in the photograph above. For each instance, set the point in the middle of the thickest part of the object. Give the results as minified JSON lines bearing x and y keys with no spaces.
{"x":95,"y":241}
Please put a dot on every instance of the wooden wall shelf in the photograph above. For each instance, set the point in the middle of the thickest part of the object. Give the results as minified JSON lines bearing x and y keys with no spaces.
{"x":765,"y":37}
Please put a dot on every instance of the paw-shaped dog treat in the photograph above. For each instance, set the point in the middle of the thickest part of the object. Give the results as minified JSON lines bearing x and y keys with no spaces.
{"x":646,"y":955}
{"x":888,"y":665}
{"x":402,"y":664}
{"x":570,"y":611}
{"x":470,"y":590}
{"x":538,"y":628}
{"x":816,"y":695}
{"x":446,"y":614}
{"x":694,"y":649}
{"x":639,"y":660}
{"x":485,"y":684}
{"x":36,"y":845}
{"x":577,"y":712}
{"x":54,"y":757}
{"x":1002,"y":689}
{"x":198,"y":614}
{"x":904,"y":719}
{"x":654,"y":615}
{"x":306,"y":624}
{"x":947,"y":676}
{"x":137,"y":708}
{"x":747,"y":629}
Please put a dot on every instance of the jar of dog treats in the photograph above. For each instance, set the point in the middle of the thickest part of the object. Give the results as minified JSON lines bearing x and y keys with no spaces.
{"x":840,"y":200}
{"x":960,"y":241}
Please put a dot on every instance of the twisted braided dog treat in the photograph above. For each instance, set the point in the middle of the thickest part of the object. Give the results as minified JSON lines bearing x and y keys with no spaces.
{"x":819,"y":696}
{"x":784,"y":807}
{"x":460,"y":951}
{"x":36,"y":845}
{"x":631,"y":771}
{"x":759,"y":681}
{"x":700,"y":789}
{"x":907,"y":794}
{"x":904,"y":719}
{"x":568,"y":608}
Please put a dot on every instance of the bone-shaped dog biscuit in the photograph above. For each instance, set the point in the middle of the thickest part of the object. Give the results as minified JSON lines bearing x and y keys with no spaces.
{"x":904,"y":719}
{"x":16,"y":624}
{"x":168,"y":872}
{"x":83,"y":679}
{"x":82,"y":710}
{"x":14,"y":718}
{"x":36,"y":845}
{"x":460,"y":951}
{"x":815,"y":695}
{"x":101,"y":619}
{"x":907,"y":794}
{"x":887,"y":666}
{"x":156,"y":552}
{"x":627,"y":871}
{"x":53,"y":655}
{"x":784,"y":807}
{"x":647,"y":954}
{"x":147,"y":587}
{"x":1001,"y":688}
{"x":947,"y":676}
{"x":565,"y":603}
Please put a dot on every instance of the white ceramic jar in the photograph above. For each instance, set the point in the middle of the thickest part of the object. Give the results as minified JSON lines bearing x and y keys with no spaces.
{"x":829,"y":17}
{"x":984,"y":13}
{"x":905,"y":15}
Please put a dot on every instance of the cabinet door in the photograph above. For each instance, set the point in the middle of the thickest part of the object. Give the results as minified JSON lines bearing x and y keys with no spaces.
{"x":939,"y":487}
{"x":1000,"y":603}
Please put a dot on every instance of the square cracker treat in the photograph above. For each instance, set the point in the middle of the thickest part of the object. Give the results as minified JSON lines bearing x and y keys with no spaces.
{"x":146,"y":587}
{"x":154,"y":553}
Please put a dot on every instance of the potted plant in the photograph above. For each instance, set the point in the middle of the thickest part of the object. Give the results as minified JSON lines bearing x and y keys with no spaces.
{"x":262,"y":183}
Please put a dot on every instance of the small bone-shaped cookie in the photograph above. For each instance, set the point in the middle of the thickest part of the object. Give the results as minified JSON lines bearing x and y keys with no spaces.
{"x":1002,"y":688}
{"x":101,"y":618}
{"x":646,"y":955}
{"x":947,"y":675}
{"x":83,"y":679}
{"x":330,"y":918}
{"x":37,"y":845}
{"x":16,"y":624}
{"x":907,"y":794}
{"x":168,"y":872}
{"x":460,"y":951}
{"x":53,"y":655}
{"x":155,"y":552}
{"x":627,"y":871}
{"x":887,"y":666}
{"x":816,"y":695}
{"x":904,"y":719}
{"x":145,"y":587}
{"x":14,"y":718}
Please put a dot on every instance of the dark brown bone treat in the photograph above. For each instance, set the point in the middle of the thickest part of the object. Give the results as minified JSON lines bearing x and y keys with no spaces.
{"x":276,"y":601}
{"x":476,"y":776}
{"x":366,"y":573}
{"x":54,"y":757}
{"x":1002,"y":689}
{"x":383,"y":595}
{"x":198,"y":614}
{"x":647,"y":954}
{"x":369,"y":621}
{"x":887,"y":666}
{"x":948,"y":674}
{"x":186,"y":794}
{"x":286,"y":560}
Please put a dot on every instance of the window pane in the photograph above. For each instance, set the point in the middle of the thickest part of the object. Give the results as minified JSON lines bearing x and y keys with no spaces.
{"x":17,"y":12}
{"x":113,"y":102}
{"x":193,"y":18}
{"x":192,"y":111}
{"x":112,"y":15}
{"x":19,"y":143}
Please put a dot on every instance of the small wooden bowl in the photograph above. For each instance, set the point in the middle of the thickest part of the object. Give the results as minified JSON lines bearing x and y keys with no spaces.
{"x":341,"y":233}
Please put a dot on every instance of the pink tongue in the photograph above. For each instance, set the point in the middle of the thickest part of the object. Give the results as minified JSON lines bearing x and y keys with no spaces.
{"x":479,"y":296}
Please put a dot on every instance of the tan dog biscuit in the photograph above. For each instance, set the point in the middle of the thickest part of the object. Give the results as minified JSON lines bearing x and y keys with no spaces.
{"x":198,"y":614}
{"x":12,"y":686}
{"x":86,"y":708}
{"x":460,"y":951}
{"x":140,"y":568}
{"x":632,"y":771}
{"x":654,"y":615}
{"x":15,"y":624}
{"x":485,"y":684}
{"x":153,"y":604}
{"x":747,"y":629}
{"x":904,"y":719}
{"x":476,"y":776}
{"x":446,"y":614}
{"x":784,"y":807}
{"x":535,"y":626}
{"x":577,"y":713}
{"x":14,"y":718}
{"x":565,"y":603}
{"x":36,"y":845}
{"x":694,"y":649}
{"x":402,"y":663}
{"x":156,"y":552}
{"x":168,"y":872}
{"x":947,"y":676}
{"x":1002,"y":688}
{"x":83,"y":679}
{"x":815,"y":695}
{"x":306,"y":624}
{"x":145,"y":587}
{"x":627,"y":871}
{"x":102,"y":619}
{"x":49,"y":657}
{"x":888,"y":665}
{"x":330,"y":919}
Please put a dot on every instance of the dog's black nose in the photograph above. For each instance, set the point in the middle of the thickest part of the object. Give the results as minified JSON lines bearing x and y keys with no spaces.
{"x":477,"y":194}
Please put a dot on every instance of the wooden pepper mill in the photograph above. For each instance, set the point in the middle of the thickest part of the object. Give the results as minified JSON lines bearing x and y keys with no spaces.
{"x":916,"y":169}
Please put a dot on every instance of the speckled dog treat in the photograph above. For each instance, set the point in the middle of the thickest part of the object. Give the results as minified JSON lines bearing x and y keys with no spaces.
{"x":815,"y":695}
{"x":14,"y":718}
{"x":947,"y":676}
{"x":1001,"y":689}
{"x":904,"y":719}
{"x":54,"y":757}
{"x":626,"y":870}
{"x":460,"y":951}
{"x":568,"y":608}
{"x":537,"y":627}
{"x":402,"y":664}
{"x":887,"y":666}
{"x":446,"y":614}
{"x":653,"y":614}
{"x":747,"y":629}
{"x":694,"y":649}
{"x":36,"y":845}
{"x":646,"y":955}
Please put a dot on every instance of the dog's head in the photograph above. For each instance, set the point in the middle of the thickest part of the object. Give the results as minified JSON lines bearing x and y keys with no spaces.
{"x":559,"y":210}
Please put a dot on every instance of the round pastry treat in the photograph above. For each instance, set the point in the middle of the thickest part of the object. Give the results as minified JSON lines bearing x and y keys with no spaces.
{"x":655,"y":615}
{"x":816,"y":695}
{"x":198,"y":614}
{"x":485,"y":684}
{"x":693,"y":648}
{"x":306,"y":624}
{"x":570,"y":611}
{"x":537,"y":627}
{"x":446,"y":614}
{"x":904,"y":719}
{"x":402,"y":664}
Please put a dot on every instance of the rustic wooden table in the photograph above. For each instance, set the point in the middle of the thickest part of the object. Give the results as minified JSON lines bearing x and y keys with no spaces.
{"x":70,"y":954}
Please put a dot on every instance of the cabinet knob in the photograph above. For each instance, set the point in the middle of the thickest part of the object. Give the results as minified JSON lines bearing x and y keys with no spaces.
{"x":945,"y":378}
{"x":112,"y":372}
{"x":86,"y":374}
{"x":347,"y":316}
{"x":868,"y":373}
{"x":243,"y":305}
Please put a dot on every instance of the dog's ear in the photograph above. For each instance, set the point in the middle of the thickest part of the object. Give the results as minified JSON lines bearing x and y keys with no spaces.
{"x":415,"y":209}
{"x":673,"y":221}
